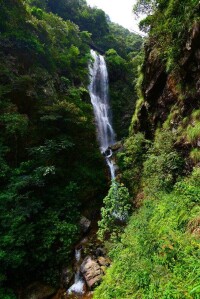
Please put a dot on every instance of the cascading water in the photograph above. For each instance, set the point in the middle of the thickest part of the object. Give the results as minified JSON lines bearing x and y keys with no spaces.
{"x":78,"y":286}
{"x":99,"y":94}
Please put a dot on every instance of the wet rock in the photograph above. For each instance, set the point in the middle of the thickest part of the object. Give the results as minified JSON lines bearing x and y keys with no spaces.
{"x":84,"y":241}
{"x":91,"y":271}
{"x":85,"y":224}
{"x":66,"y":277}
{"x":38,"y":291}
{"x":116,"y":146}
{"x":108,"y":153}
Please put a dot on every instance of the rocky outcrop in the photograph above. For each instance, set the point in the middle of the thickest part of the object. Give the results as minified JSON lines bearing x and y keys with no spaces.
{"x":85,"y":224}
{"x":103,"y":261}
{"x":91,"y":271}
{"x":66,"y":277}
{"x":116,"y":146}
{"x":164,"y":92}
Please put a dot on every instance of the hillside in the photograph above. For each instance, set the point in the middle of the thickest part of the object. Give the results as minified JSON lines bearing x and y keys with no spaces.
{"x":51,"y":170}
{"x":158,"y":254}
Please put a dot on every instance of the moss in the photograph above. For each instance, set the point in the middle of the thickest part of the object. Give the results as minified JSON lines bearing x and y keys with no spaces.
{"x":195,"y":155}
{"x":135,"y":119}
{"x":189,"y":128}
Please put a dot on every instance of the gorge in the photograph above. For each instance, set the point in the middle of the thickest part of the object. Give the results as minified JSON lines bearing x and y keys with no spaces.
{"x":99,"y":94}
{"x":65,"y":207}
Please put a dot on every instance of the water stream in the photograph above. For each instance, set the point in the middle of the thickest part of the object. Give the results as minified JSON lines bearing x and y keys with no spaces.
{"x":78,"y":286}
{"x":98,"y":89}
{"x":99,"y":93}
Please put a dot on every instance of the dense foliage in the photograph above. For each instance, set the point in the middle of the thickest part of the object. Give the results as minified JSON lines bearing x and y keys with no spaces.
{"x":158,"y":256}
{"x":122,"y":79}
{"x":114,"y":212}
{"x":48,"y":143}
{"x":50,"y":165}
{"x":120,"y":45}
{"x":168,"y":23}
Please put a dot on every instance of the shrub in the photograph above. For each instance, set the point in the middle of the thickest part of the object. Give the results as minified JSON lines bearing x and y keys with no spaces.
{"x":131,"y":161}
{"x":163,"y":164}
{"x":115,"y":210}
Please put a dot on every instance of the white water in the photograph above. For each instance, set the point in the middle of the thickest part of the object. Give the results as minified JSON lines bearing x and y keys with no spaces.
{"x":99,"y":94}
{"x":77,"y":254}
{"x":78,"y":286}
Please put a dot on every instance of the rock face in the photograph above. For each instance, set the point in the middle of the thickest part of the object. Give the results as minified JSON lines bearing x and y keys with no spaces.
{"x":91,"y":271}
{"x":164,"y":94}
{"x":66,"y":277}
{"x":85,"y":224}
{"x":117,"y":146}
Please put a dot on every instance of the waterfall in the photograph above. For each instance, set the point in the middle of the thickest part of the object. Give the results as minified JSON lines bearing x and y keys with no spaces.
{"x":78,"y":286}
{"x":99,"y":94}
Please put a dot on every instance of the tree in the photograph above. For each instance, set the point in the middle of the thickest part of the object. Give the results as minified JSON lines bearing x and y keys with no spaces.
{"x":115,"y":211}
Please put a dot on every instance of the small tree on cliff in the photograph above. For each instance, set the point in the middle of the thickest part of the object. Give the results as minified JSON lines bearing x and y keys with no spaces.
{"x":115,"y":211}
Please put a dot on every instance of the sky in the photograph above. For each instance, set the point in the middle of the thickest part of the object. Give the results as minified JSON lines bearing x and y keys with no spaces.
{"x":119,"y":11}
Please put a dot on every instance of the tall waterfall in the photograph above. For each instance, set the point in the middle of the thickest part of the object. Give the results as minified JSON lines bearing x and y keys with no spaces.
{"x":99,"y":94}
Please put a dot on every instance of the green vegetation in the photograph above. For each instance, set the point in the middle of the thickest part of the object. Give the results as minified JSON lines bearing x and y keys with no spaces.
{"x":163,"y":165}
{"x":168,"y":23}
{"x":158,"y":256}
{"x":48,"y":143}
{"x":121,"y":48}
{"x":116,"y":209}
{"x":50,"y":165}
{"x":158,"y":253}
{"x":122,"y":80}
{"x":195,"y":155}
{"x":131,"y":161}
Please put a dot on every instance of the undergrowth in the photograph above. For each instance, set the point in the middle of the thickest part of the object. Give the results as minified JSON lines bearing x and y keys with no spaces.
{"x":159,"y":254}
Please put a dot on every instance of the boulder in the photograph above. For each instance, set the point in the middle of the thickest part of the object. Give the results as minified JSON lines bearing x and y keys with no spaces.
{"x":102,"y":261}
{"x":116,"y":146}
{"x":85,"y":224}
{"x":91,"y":271}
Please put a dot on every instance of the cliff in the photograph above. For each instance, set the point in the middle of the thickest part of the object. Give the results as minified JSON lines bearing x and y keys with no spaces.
{"x":171,"y":98}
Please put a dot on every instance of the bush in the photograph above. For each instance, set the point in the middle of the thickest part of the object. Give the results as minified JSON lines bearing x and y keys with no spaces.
{"x":131,"y":161}
{"x":115,"y":211}
{"x":163,"y":164}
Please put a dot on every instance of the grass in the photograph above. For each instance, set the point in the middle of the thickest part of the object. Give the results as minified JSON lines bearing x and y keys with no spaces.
{"x":193,"y":132}
{"x":159,"y":256}
{"x":195,"y":155}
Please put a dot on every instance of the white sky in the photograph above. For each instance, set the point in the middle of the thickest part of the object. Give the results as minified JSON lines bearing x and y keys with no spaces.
{"x":119,"y":11}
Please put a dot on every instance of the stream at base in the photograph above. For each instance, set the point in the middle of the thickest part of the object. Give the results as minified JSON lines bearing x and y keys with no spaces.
{"x":99,"y":94}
